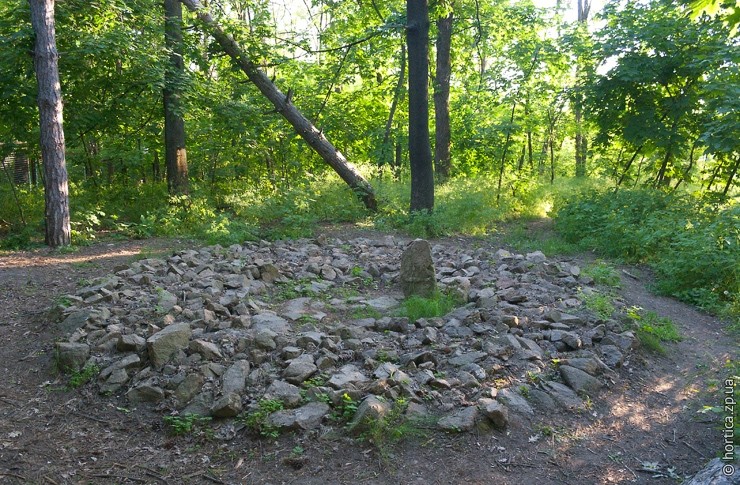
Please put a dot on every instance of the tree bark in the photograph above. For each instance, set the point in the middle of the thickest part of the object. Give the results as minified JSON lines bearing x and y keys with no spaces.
{"x":731,"y":177}
{"x":442,"y":133}
{"x":420,"y":151}
{"x":20,"y":168}
{"x":387,"y":151}
{"x":176,"y":159}
{"x":584,"y":7}
{"x":56,"y":190}
{"x":283,"y":105}
{"x":503,"y":155}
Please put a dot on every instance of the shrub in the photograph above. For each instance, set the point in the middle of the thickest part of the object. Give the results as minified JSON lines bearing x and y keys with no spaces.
{"x":692,"y":243}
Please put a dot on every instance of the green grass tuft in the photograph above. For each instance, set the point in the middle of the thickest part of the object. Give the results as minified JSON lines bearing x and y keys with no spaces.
{"x":653,"y":330}
{"x":416,"y":307}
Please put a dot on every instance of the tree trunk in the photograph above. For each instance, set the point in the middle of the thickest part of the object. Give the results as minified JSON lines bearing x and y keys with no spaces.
{"x":20,"y":168}
{"x":442,"y":133}
{"x":387,"y":152}
{"x":731,"y":177}
{"x":503,"y":155}
{"x":420,"y":150}
{"x":56,"y":191}
{"x":155,"y":167}
{"x":283,"y":105}
{"x":175,"y":155}
{"x":627,"y":167}
{"x":584,"y":6}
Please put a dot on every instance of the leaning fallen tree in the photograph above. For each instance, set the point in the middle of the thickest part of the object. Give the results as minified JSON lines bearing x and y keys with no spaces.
{"x":283,"y":105}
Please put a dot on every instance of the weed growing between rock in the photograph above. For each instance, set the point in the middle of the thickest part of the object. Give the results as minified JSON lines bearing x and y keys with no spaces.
{"x":186,"y":424}
{"x":653,"y":330}
{"x":79,"y":378}
{"x":258,"y":420}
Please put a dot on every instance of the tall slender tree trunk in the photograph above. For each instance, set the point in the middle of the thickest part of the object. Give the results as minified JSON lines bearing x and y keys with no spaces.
{"x":387,"y":148}
{"x":176,"y":159}
{"x":505,"y":152}
{"x":420,"y":150}
{"x":20,"y":168}
{"x":56,"y":190}
{"x":731,"y":177}
{"x":584,"y":6}
{"x":285,"y":107}
{"x":442,"y":132}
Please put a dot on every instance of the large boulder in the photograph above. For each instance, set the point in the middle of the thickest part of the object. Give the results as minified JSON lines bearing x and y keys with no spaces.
{"x":417,"y":270}
{"x":167,"y":342}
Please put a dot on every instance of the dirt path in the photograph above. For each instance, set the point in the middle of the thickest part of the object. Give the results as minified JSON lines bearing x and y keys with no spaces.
{"x":52,"y":435}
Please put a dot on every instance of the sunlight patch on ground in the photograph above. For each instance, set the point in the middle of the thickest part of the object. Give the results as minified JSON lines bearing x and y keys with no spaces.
{"x":29,"y":261}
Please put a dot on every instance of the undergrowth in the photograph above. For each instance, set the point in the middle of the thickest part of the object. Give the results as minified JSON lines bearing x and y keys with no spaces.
{"x":692,"y":242}
{"x":653,"y":330}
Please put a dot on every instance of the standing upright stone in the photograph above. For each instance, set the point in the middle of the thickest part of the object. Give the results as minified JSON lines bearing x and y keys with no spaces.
{"x":417,"y":270}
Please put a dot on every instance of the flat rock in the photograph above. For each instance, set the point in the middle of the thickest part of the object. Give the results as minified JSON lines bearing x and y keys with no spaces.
{"x":145,"y":392}
{"x":563,"y":395}
{"x":467,"y":358}
{"x":300,"y":369}
{"x":383,"y":303}
{"x":284,"y":392}
{"x":74,"y":321}
{"x":272,"y":322}
{"x":460,"y":421}
{"x":715,"y":473}
{"x":348,"y":376}
{"x":515,"y":402}
{"x":303,"y":418}
{"x":235,"y":377}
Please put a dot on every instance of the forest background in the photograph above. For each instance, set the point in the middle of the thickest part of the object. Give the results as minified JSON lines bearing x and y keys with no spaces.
{"x":622,"y":125}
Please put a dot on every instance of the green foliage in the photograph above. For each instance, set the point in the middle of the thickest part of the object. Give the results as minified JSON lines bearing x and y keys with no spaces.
{"x":416,"y":307}
{"x":524,"y":239}
{"x":693,"y":243}
{"x":179,"y":425}
{"x":603,"y":273}
{"x":599,"y":303}
{"x":653,"y":330}
{"x":79,"y":378}
{"x":345,"y":410}
{"x":462,"y":205}
{"x":258,"y":419}
{"x":393,"y":428}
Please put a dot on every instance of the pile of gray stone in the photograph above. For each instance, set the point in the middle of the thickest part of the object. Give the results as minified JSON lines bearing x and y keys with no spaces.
{"x":313,"y":323}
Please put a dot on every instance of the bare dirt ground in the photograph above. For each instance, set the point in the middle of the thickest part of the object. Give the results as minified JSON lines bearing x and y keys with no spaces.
{"x":49,"y":434}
